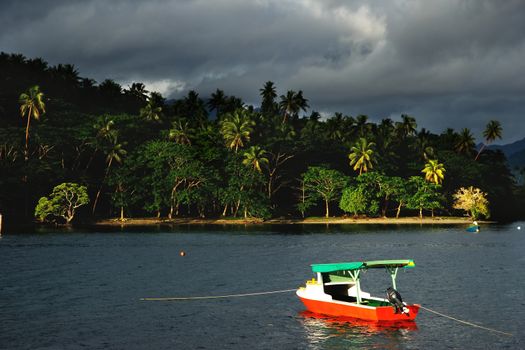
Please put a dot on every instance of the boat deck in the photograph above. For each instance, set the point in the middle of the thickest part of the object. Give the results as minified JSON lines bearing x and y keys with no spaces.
{"x":368,"y":302}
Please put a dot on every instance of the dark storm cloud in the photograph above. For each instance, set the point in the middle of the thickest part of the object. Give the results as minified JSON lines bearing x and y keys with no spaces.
{"x":448,"y":63}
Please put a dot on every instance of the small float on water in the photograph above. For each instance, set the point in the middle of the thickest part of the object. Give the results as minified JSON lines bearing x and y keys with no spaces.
{"x":337,"y":292}
{"x":474,"y":227}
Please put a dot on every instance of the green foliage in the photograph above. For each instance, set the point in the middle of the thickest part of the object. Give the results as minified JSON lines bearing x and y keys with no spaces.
{"x":323,"y":183}
{"x":171,"y":158}
{"x":423,"y":195}
{"x":353,"y":201}
{"x":63,"y":202}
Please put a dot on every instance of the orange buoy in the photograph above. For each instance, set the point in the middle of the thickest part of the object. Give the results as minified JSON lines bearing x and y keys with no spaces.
{"x":182,"y":253}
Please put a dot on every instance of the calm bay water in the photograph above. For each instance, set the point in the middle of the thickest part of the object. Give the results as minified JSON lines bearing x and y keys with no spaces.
{"x":73,"y":290}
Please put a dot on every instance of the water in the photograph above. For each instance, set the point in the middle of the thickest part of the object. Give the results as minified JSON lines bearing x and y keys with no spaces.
{"x":81,"y":290}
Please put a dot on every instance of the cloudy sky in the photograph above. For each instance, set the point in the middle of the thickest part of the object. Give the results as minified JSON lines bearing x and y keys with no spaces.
{"x":448,"y":63}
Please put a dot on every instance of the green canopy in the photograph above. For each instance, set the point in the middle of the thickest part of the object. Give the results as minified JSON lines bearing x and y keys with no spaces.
{"x":359,"y":265}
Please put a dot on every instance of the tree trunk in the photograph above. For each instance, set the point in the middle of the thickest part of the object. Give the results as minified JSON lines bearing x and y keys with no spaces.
{"x":399,"y":209}
{"x":237,"y":208}
{"x":421,"y":213}
{"x":479,"y":152}
{"x":327,"y":209}
{"x":26,"y":150}
{"x":270,"y":178}
{"x":121,"y":213}
{"x":102,"y":184}
{"x":432,"y":211}
{"x":225,"y":210}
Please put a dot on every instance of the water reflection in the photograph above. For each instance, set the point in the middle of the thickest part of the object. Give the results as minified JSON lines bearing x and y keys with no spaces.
{"x":325,"y":332}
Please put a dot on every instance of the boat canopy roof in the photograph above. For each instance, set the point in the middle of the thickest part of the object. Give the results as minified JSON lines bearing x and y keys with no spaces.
{"x":361,"y":265}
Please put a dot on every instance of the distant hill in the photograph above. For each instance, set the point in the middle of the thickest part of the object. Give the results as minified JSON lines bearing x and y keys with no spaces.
{"x":517,"y":159}
{"x":511,"y":148}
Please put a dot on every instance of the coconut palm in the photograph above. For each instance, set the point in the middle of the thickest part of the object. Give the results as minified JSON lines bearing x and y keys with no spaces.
{"x":292,"y":103}
{"x":361,"y":125}
{"x":361,"y":156}
{"x":268,"y":94}
{"x":152,"y":111}
{"x":104,"y":127}
{"x":493,"y":131}
{"x":255,"y":156}
{"x":407,"y":126}
{"x":138,"y":91}
{"x":180,"y":132}
{"x":31,"y":106}
{"x":465,"y":142}
{"x":236,"y":128}
{"x":114,"y":152}
{"x":334,"y":127}
{"x":434,"y":171}
{"x":217,"y":102}
{"x":194,"y":108}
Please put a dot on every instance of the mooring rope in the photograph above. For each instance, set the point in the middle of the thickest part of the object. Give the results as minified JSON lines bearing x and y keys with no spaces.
{"x":292,"y":290}
{"x":219,"y":296}
{"x":466,"y":322}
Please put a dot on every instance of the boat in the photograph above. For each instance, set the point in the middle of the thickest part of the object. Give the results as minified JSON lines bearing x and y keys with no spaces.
{"x":474,"y":227}
{"x":336,"y":291}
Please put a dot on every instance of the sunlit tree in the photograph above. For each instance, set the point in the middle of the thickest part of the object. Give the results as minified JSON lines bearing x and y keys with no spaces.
{"x":361,"y":155}
{"x":473,"y":201}
{"x":434,"y":171}
{"x":236,"y":129}
{"x":255,"y":156}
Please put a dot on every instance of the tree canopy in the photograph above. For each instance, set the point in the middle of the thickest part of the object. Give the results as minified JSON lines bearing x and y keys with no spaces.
{"x":140,"y":154}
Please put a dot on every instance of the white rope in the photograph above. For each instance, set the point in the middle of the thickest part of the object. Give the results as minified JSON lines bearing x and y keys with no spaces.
{"x":219,"y":296}
{"x":465,"y":322}
{"x":292,"y":290}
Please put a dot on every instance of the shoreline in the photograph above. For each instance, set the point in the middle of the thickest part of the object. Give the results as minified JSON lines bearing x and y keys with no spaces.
{"x":307,"y":221}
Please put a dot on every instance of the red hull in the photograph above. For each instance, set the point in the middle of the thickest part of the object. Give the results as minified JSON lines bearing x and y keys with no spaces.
{"x":381,"y":313}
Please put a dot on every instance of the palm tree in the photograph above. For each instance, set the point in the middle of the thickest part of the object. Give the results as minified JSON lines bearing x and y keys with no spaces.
{"x":361,"y":125}
{"x":31,"y":106}
{"x":194,"y":108}
{"x":180,"y":133}
{"x":104,"y":127}
{"x":334,"y":127}
{"x":287,"y":105}
{"x":465,"y":143}
{"x":268,"y":94}
{"x":493,"y":131}
{"x":115,"y":151}
{"x":152,"y":111}
{"x":217,"y":102}
{"x":407,"y":126}
{"x":292,"y":103}
{"x":255,"y":156}
{"x":138,"y":91}
{"x":105,"y":131}
{"x":236,"y":128}
{"x":361,"y":156}
{"x":434,"y":172}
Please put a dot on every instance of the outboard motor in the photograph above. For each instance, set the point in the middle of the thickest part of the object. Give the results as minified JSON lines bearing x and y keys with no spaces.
{"x":395,"y":299}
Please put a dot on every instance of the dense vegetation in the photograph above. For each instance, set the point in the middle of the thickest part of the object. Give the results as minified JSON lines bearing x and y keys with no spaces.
{"x":140,"y":155}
